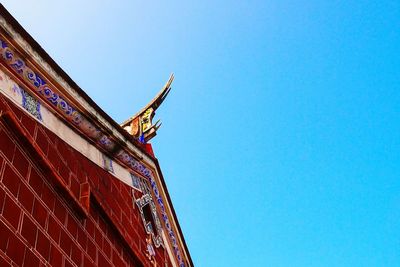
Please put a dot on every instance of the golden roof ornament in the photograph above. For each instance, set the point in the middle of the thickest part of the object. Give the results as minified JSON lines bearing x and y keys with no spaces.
{"x":141,"y":124}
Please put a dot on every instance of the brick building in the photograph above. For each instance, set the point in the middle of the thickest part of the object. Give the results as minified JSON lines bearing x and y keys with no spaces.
{"x":76,"y":188}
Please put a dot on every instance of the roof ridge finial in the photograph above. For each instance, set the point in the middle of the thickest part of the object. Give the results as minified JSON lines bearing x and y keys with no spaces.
{"x":141,"y":125}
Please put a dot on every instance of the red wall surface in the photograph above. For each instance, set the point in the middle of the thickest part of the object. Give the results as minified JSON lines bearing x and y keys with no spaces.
{"x":57,"y":208}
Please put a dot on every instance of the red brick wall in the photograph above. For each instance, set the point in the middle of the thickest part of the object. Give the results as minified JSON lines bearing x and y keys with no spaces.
{"x":57,"y":207}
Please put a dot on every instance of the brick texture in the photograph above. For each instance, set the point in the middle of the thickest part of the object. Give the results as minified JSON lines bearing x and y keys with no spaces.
{"x":39,"y":223}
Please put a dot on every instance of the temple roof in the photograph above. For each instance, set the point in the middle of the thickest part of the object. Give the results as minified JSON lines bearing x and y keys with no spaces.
{"x":30,"y":51}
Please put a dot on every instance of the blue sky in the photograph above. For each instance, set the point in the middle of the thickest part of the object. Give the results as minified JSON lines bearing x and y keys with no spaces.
{"x":280,"y":140}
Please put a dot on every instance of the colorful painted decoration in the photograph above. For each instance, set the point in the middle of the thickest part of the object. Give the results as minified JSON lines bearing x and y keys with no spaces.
{"x":152,"y":224}
{"x":141,"y":125}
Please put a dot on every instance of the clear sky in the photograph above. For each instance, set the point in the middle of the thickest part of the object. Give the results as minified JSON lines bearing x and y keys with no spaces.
{"x":281,"y":137}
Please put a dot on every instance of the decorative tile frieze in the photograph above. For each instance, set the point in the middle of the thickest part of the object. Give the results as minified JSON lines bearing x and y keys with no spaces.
{"x":31,"y":104}
{"x":49,"y":70}
{"x":168,"y":226}
{"x":52,"y":97}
